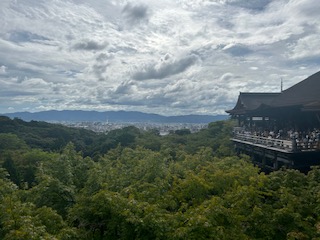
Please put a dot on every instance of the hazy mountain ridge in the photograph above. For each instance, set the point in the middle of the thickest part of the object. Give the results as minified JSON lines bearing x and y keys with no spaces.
{"x":112,"y":116}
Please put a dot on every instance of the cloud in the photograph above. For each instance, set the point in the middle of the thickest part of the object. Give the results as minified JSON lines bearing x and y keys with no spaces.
{"x":89,"y":45}
{"x":25,"y":36}
{"x":165,"y":68}
{"x":135,"y":13}
{"x":250,"y":4}
{"x":103,"y":57}
{"x":15,"y":93}
{"x":306,"y":48}
{"x":169,"y":57}
{"x":226,"y":77}
{"x":3,"y":70}
{"x":237,"y":50}
{"x":126,"y":88}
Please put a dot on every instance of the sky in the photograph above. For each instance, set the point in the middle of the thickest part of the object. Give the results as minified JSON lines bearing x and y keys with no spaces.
{"x":170,"y":57}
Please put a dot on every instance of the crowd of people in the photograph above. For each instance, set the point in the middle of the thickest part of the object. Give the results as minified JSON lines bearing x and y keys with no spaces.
{"x":301,"y":140}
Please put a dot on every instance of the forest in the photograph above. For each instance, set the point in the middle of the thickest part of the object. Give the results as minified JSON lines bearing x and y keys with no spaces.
{"x":66,"y":183}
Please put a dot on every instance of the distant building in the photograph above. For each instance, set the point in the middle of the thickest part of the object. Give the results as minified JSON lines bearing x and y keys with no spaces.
{"x":280,"y":129}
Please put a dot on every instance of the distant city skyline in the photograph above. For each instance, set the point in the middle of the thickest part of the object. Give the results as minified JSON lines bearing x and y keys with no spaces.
{"x":166,"y":57}
{"x":113,"y":116}
{"x":163,"y":128}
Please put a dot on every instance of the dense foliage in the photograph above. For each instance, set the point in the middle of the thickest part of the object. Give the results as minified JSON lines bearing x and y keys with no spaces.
{"x":133,"y":184}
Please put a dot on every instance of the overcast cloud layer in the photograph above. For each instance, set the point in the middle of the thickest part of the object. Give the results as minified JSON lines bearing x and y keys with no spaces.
{"x":169,"y":57}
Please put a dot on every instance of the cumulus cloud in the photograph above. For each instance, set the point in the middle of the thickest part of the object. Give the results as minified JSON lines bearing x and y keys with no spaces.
{"x":127,"y":87}
{"x":102,"y":54}
{"x":99,"y":69}
{"x":22,"y":92}
{"x":135,"y":13}
{"x":103,"y":57}
{"x":165,"y":68}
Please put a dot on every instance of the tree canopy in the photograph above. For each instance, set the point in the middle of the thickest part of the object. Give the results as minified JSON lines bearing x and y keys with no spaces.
{"x":134,"y":184}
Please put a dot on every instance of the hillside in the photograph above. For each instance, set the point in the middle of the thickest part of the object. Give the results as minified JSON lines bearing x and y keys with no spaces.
{"x":54,"y":137}
{"x":134,"y":184}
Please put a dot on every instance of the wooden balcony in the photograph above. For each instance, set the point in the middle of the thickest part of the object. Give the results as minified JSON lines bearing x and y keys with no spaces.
{"x":279,"y":144}
{"x":272,"y":154}
{"x":276,"y":144}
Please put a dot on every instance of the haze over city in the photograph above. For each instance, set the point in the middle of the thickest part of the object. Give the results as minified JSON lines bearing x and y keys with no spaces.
{"x":168,"y":57}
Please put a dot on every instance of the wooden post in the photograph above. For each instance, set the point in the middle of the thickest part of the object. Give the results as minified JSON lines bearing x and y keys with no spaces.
{"x":275,"y":163}
{"x":264,"y":159}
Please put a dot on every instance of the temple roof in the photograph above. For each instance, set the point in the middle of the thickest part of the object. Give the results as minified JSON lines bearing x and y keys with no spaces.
{"x":250,"y":101}
{"x":306,"y":92}
{"x":305,"y":95}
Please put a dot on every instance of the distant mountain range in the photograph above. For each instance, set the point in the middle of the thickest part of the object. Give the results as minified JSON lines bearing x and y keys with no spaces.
{"x":111,"y":116}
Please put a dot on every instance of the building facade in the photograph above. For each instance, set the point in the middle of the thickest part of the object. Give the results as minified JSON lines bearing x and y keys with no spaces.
{"x":280,"y":129}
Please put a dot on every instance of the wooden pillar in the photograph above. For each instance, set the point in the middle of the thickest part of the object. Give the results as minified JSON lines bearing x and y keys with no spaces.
{"x":275,"y":161}
{"x":264,"y":159}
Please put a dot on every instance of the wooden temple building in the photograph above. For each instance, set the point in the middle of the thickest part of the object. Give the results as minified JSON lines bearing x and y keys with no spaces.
{"x":280,"y":129}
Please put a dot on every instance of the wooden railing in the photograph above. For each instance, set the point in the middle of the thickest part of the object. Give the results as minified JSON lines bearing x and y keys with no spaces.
{"x":270,"y":142}
{"x":288,"y":145}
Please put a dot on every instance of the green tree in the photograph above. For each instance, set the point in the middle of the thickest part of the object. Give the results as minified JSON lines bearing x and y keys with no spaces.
{"x":59,"y":179}
{"x":10,"y":141}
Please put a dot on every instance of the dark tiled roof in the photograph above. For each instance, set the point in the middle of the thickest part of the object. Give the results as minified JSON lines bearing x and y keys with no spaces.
{"x":304,"y":92}
{"x":305,"y":95}
{"x":251,"y":101}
